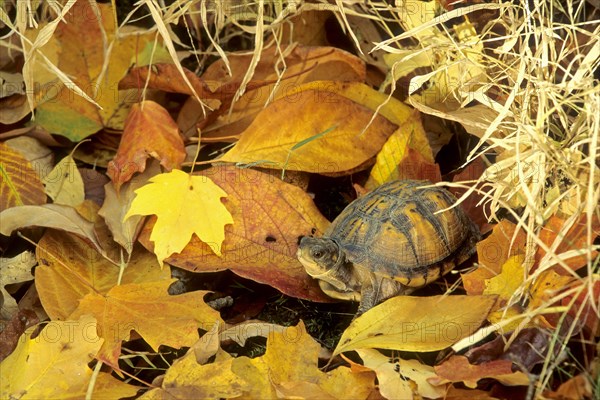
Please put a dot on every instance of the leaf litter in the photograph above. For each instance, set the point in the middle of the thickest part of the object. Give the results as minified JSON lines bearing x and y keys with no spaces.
{"x":281,"y":95}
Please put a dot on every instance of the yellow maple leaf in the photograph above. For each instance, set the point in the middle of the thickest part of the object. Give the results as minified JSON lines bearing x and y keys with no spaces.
{"x":184,"y":204}
{"x":148,"y":309}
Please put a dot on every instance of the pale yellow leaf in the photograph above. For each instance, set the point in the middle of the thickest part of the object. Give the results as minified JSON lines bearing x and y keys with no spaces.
{"x":401,"y":379}
{"x":14,"y":270}
{"x":64,"y":184}
{"x":412,"y":323}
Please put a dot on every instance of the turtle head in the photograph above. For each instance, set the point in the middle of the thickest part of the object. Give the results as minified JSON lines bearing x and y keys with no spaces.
{"x":319,"y":255}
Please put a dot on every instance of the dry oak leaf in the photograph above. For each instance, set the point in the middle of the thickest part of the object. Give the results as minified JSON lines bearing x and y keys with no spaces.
{"x":410,"y":323}
{"x":289,"y":366}
{"x":20,"y":184}
{"x":54,"y":365}
{"x":148,"y":309}
{"x":268,"y":218}
{"x":83,"y":37}
{"x":69,"y":268}
{"x":458,"y":369}
{"x":401,"y":379}
{"x":323,"y":127}
{"x":492,"y":253}
{"x":149,"y":132}
{"x":184,"y":204}
{"x":64,"y":183}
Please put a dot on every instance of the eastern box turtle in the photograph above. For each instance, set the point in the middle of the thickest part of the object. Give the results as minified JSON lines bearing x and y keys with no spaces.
{"x":390,"y":242}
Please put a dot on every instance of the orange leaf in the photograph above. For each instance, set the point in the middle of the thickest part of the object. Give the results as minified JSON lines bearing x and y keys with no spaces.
{"x":268,"y":218}
{"x":20,"y":184}
{"x":574,"y":239}
{"x":149,"y":132}
{"x":148,"y":309}
{"x":492,"y":253}
{"x":458,"y":369}
{"x":304,"y":129}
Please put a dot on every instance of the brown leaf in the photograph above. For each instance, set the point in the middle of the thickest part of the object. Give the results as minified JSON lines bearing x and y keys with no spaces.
{"x":303,"y":64}
{"x":11,"y":331}
{"x":576,"y":388}
{"x":268,"y":218}
{"x":528,"y":348}
{"x":116,"y":205}
{"x":472,"y":206}
{"x":584,"y":308}
{"x":20,"y":184}
{"x":149,"y":132}
{"x":492,"y":253}
{"x":458,"y":369}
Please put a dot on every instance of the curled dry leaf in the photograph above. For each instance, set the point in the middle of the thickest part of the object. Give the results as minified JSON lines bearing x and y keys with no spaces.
{"x":20,"y":184}
{"x":317,"y":122}
{"x":268,"y":218}
{"x":116,"y":205}
{"x":412,"y":323}
{"x":54,"y":216}
{"x":149,"y":132}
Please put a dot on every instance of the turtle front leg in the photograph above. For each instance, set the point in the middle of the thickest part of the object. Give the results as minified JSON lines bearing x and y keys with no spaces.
{"x":375,"y":290}
{"x":370,"y":294}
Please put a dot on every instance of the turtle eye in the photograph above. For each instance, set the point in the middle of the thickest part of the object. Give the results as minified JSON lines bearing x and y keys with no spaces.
{"x":317,"y":253}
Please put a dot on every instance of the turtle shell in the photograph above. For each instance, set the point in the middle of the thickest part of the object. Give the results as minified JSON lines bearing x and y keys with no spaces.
{"x":399,"y":231}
